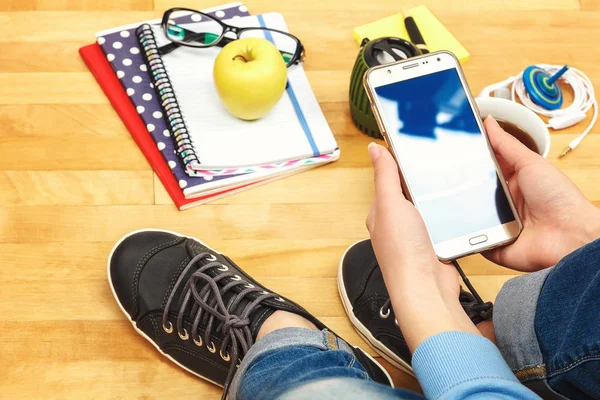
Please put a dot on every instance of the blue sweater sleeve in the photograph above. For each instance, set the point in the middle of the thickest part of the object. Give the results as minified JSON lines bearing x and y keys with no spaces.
{"x":460,"y":365}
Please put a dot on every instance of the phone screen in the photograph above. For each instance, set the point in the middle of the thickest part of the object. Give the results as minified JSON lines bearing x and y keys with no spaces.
{"x":443,"y":155}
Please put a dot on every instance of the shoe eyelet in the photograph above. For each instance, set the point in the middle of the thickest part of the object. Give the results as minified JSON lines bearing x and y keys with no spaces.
{"x":197,"y":342}
{"x":211,"y":257}
{"x":384,"y":315}
{"x":396,"y":322}
{"x":224,"y":357}
{"x":264,"y":292}
{"x":281,"y":299}
{"x":236,"y":278}
{"x":185,"y":335}
{"x":169,"y":327}
{"x":223,"y":267}
{"x":211,"y":347}
{"x":249,"y":286}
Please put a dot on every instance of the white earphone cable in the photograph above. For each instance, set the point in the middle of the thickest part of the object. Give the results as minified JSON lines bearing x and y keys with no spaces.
{"x":583,"y":99}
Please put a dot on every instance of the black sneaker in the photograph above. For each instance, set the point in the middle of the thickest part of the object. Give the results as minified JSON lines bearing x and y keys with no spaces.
{"x":367,"y":304}
{"x":195,"y":305}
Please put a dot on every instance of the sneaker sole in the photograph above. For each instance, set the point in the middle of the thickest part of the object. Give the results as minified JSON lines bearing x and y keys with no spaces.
{"x":141,"y":333}
{"x":362,"y":330}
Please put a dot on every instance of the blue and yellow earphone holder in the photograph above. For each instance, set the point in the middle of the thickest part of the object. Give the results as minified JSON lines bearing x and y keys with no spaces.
{"x":542,"y":87}
{"x":537,"y":88}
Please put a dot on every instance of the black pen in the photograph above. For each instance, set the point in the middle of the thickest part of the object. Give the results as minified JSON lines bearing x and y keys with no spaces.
{"x":414,"y":33}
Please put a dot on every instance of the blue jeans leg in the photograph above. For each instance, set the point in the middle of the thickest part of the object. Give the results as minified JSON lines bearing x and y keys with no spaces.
{"x":295,"y":363}
{"x":547,"y":326}
{"x":567,"y":323}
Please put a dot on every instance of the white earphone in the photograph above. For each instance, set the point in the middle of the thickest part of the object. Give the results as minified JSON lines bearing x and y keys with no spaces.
{"x":496,"y":87}
{"x":583,"y":100}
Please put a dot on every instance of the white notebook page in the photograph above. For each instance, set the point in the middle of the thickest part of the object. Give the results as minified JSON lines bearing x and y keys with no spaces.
{"x":222,"y":140}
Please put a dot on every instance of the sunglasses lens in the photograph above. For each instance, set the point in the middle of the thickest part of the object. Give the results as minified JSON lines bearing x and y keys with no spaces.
{"x":287,"y":45}
{"x":193,"y":29}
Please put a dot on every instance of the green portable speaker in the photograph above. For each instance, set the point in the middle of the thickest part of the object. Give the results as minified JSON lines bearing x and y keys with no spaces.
{"x":372,"y":53}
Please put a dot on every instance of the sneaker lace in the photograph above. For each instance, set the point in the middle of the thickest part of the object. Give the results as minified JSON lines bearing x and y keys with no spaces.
{"x":472,"y":303}
{"x":477,"y":310}
{"x":202,"y":294}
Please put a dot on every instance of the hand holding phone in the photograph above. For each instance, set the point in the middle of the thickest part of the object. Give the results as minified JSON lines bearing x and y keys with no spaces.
{"x":557,"y":217}
{"x":423,"y":290}
{"x":448,"y":171}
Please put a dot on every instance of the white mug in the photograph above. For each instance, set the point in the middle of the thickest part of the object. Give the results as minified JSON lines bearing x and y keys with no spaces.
{"x":519,"y":115}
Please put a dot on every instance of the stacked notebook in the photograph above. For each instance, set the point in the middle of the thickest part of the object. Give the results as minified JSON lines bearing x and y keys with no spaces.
{"x":198,"y":150}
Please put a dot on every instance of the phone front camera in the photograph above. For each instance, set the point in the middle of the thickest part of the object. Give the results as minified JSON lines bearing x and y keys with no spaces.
{"x":439,"y":59}
{"x":389,"y":71}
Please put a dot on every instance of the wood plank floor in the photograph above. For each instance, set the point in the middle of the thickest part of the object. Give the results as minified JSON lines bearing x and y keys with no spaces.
{"x":72,"y":181}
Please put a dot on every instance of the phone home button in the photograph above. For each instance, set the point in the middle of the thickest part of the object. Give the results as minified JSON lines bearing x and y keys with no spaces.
{"x":478,"y":239}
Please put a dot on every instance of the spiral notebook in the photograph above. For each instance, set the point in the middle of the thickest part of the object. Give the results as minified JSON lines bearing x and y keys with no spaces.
{"x":121,"y":49}
{"x":207,"y":137}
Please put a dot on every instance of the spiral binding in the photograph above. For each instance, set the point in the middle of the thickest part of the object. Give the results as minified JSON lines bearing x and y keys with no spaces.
{"x":168,"y":101}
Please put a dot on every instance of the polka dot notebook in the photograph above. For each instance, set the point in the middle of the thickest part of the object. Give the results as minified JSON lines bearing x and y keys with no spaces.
{"x":120,"y":45}
{"x":207,"y":135}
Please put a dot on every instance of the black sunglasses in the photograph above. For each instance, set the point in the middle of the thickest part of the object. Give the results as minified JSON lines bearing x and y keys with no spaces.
{"x":211,"y":32}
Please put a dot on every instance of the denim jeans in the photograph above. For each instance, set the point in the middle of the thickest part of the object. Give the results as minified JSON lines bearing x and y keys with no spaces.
{"x":296,"y":363}
{"x":547,"y":327}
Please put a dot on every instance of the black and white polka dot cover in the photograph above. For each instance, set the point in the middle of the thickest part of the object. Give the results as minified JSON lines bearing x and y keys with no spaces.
{"x":122,"y":51}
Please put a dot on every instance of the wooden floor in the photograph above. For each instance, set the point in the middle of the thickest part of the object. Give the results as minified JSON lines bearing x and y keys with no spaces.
{"x":72,"y":181}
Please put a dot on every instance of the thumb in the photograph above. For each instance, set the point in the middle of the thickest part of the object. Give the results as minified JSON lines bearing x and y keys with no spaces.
{"x":506,"y":145}
{"x":387,"y":178}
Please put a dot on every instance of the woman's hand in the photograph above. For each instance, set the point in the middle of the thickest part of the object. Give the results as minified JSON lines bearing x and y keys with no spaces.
{"x":557,"y":218}
{"x":398,"y":232}
{"x":423,"y":291}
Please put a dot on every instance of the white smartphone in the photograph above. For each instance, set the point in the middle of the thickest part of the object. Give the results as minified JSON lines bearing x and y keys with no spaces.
{"x":431,"y":124}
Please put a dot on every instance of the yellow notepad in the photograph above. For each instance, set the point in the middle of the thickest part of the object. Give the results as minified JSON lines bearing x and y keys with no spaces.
{"x":436,"y":36}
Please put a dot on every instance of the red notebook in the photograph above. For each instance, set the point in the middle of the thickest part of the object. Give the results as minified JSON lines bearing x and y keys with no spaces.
{"x":98,"y":64}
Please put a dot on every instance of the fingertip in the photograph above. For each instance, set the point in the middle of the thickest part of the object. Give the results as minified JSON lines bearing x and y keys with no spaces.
{"x":504,"y":144}
{"x":493,"y":255}
{"x":374,"y":151}
{"x":387,"y":179}
{"x":491,"y":124}
{"x":380,"y":156}
{"x":495,"y":132}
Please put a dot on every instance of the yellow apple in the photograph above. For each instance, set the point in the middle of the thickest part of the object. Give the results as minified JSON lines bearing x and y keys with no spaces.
{"x":250,"y":76}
